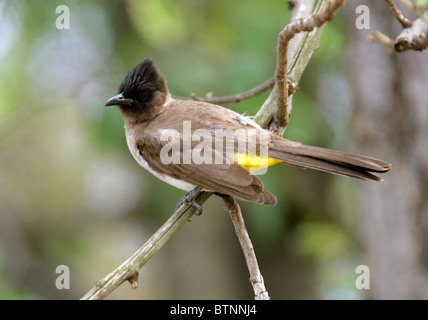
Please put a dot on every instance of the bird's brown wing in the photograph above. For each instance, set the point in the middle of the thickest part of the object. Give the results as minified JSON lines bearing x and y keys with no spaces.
{"x":224,"y":178}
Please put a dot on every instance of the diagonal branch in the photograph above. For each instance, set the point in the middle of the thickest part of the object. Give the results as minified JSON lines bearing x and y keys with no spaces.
{"x":129,"y":269}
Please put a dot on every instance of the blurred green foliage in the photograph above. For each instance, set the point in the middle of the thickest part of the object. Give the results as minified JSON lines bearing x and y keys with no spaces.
{"x":422,"y":3}
{"x":71,"y":192}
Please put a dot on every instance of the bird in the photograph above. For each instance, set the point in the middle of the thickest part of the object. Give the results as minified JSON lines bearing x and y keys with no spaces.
{"x":164,"y":133}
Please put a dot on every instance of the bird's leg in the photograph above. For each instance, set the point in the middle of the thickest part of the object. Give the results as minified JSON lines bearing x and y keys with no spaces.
{"x":190,"y":198}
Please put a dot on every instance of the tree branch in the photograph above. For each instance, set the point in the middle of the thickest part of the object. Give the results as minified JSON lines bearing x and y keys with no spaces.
{"x":414,"y":35}
{"x":280,"y":120}
{"x":236,"y":97}
{"x":130,"y":268}
{"x":307,"y":43}
{"x":256,"y":279}
{"x":417,"y":9}
{"x":377,"y":36}
{"x":396,"y":13}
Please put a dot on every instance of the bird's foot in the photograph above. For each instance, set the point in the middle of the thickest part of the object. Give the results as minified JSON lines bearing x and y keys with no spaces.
{"x":190,"y":198}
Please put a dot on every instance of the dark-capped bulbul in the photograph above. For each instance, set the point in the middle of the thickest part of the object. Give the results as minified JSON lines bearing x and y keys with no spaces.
{"x":149,"y":111}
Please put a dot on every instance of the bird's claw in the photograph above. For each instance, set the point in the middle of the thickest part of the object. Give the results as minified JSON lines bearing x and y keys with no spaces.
{"x":190,"y":198}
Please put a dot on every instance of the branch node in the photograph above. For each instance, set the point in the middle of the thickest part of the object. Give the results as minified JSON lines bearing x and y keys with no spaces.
{"x":291,"y":4}
{"x":414,"y":37}
{"x":133,"y":280}
{"x":99,"y":284}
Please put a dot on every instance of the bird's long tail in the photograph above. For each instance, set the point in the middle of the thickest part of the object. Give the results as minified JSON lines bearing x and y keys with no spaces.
{"x":328,"y":160}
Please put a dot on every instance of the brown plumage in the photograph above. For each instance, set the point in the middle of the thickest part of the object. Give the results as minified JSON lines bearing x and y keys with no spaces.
{"x":149,"y":111}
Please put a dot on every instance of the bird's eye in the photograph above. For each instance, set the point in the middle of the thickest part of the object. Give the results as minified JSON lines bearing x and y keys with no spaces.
{"x":144,"y":95}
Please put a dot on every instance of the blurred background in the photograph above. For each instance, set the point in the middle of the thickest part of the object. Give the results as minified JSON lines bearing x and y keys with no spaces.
{"x":71,"y":193}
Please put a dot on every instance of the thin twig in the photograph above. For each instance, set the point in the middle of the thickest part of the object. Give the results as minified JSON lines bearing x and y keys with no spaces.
{"x":396,"y":13}
{"x":236,"y":97}
{"x":377,"y":36}
{"x":417,"y":9}
{"x":281,"y":118}
{"x":256,"y":278}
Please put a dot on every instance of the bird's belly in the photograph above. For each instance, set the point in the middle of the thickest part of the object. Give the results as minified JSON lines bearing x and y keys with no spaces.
{"x":180,"y":184}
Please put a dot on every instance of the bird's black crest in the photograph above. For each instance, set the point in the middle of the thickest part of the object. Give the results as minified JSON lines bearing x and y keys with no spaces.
{"x":143,"y":75}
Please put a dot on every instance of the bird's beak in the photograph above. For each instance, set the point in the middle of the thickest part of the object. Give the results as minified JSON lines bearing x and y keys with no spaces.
{"x":118,"y":100}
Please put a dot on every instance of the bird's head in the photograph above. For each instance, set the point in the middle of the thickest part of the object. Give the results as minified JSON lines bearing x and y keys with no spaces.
{"x":142,"y":92}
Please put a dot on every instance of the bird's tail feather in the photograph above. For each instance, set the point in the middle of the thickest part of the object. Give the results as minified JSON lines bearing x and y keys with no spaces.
{"x":343,"y":163}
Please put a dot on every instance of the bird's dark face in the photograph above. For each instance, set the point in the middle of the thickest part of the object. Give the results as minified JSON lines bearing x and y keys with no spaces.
{"x":142,"y":91}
